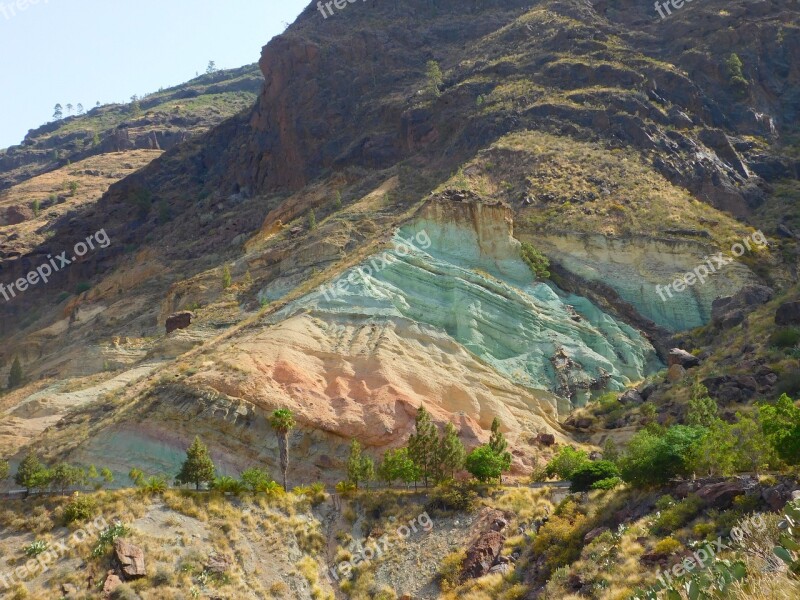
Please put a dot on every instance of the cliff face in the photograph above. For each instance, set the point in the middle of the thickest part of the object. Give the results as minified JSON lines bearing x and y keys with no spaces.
{"x":622,"y":156}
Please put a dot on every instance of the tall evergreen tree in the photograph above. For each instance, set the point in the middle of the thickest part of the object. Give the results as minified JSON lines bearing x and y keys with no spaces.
{"x":282,"y":421}
{"x":15,"y":375}
{"x":360,"y":467}
{"x":31,"y":473}
{"x":423,"y":444}
{"x":198,"y":467}
{"x":702,"y":411}
{"x":58,"y":112}
{"x":451,"y":454}
{"x":499,"y":445}
{"x":397,"y":465}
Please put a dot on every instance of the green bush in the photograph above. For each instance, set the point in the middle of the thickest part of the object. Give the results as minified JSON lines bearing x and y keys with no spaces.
{"x":654,"y":457}
{"x":786,"y":337}
{"x":566,"y":462}
{"x":607,"y":484}
{"x":538,"y":262}
{"x":107,"y":537}
{"x":34,"y":549}
{"x":676,"y":516}
{"x":79,"y":508}
{"x":585,"y":476}
{"x":454,"y":497}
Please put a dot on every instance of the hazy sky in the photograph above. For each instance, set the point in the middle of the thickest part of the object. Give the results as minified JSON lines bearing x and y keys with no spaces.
{"x":71,"y":51}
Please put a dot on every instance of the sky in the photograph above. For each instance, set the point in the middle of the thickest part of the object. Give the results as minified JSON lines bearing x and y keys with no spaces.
{"x":85,"y":51}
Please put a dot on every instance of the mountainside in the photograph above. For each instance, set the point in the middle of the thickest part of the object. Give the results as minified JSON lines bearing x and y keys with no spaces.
{"x":368,"y":229}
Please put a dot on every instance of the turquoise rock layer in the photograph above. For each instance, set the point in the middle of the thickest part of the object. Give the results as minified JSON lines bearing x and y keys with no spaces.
{"x":485,"y":298}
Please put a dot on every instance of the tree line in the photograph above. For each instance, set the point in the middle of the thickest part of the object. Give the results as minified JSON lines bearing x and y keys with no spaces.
{"x":429,"y":458}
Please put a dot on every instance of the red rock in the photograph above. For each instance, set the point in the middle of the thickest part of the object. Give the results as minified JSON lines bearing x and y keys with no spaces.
{"x":180,"y":320}
{"x":482,"y":555}
{"x":130,"y":558}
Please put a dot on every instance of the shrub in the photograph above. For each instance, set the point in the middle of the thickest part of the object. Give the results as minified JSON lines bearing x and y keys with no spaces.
{"x":538,"y":262}
{"x":566,"y":462}
{"x":450,"y":570}
{"x":345,"y":488}
{"x":676,"y":516}
{"x":35,"y":548}
{"x":485,"y":464}
{"x":655,"y":457}
{"x":454,"y":497}
{"x":79,"y":508}
{"x":667,"y":546}
{"x":226,"y":484}
{"x":107,"y":537}
{"x":607,"y":484}
{"x":585,"y":476}
{"x":786,"y":337}
{"x":124,"y":592}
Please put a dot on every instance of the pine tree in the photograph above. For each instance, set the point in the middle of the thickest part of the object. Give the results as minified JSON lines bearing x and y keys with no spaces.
{"x":499,"y":445}
{"x":282,"y":421}
{"x":80,"y":108}
{"x":451,"y":454}
{"x":15,"y":375}
{"x":397,"y":465}
{"x":31,"y":473}
{"x":702,"y":410}
{"x":198,"y":467}
{"x":58,"y":112}
{"x":423,"y":444}
{"x":69,"y":109}
{"x":360,"y":467}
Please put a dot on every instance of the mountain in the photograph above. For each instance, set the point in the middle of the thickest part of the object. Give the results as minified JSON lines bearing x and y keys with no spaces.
{"x":364,"y":229}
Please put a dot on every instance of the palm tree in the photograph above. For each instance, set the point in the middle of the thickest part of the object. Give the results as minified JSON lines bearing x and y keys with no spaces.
{"x":282,"y":421}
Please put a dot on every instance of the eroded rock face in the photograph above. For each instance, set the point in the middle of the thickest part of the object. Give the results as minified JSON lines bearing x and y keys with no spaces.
{"x":639,"y":269}
{"x":730,"y":311}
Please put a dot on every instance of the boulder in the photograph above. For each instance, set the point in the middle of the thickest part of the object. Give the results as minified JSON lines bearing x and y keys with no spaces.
{"x":546,"y":439}
{"x":130,"y":558}
{"x":594,"y":534}
{"x":721,"y":495}
{"x":180,"y":320}
{"x":502,"y":568}
{"x":499,"y":524}
{"x":730,"y":389}
{"x":482,"y":555}
{"x":682,"y":358}
{"x":631,"y":397}
{"x":788,"y":314}
{"x":112,"y":582}
{"x":218,"y":563}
